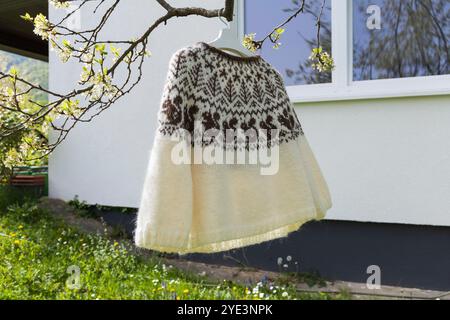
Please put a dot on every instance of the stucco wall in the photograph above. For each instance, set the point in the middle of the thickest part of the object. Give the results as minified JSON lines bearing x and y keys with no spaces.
{"x":385,"y":160}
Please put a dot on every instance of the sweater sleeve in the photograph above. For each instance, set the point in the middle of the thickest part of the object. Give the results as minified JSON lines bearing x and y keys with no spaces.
{"x":164,"y":217}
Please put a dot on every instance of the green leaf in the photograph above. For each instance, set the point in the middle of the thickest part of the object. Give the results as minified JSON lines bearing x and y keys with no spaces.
{"x":27,"y":17}
{"x":67,"y":44}
{"x":13,"y":71}
{"x":280,"y":30}
{"x":100,"y":48}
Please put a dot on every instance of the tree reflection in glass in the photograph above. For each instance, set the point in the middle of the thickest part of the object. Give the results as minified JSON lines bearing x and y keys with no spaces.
{"x":400,"y":38}
{"x":300,"y":37}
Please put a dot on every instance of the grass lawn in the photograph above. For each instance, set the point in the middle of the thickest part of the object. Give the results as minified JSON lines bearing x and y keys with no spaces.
{"x":38,"y":250}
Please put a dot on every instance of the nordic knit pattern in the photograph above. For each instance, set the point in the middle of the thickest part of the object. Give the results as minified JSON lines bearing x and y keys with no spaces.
{"x":224,"y":92}
{"x":211,"y":207}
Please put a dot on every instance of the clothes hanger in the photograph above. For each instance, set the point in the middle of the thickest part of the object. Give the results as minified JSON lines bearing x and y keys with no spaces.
{"x":227,"y":38}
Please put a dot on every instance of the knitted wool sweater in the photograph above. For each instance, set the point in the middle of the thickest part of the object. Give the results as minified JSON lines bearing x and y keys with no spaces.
{"x":230,"y":164}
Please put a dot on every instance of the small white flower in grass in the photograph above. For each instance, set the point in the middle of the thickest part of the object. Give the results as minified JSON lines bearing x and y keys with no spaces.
{"x":261,"y":295}
{"x":285,"y":294}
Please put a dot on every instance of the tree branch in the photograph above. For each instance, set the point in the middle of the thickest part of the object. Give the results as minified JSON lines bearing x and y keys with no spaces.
{"x":165,"y":5}
{"x":97,"y":89}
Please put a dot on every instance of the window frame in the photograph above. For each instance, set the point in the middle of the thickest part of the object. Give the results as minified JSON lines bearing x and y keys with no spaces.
{"x":342,"y":86}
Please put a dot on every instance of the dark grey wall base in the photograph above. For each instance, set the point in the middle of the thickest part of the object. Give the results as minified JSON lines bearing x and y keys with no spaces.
{"x":409,"y":256}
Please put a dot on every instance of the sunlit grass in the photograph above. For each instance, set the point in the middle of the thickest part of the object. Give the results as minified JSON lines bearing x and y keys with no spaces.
{"x":37,"y":252}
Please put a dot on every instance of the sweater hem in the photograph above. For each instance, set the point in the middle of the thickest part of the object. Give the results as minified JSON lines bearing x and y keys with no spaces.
{"x":236,"y":239}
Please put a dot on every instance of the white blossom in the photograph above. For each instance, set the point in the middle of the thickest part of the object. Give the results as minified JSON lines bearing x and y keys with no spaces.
{"x":60,"y":5}
{"x":42,"y":27}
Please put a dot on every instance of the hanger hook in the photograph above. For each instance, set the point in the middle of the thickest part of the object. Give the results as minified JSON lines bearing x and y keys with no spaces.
{"x":219,"y":15}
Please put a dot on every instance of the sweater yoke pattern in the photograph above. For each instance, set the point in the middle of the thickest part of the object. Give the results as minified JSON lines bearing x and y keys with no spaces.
{"x":225,"y":93}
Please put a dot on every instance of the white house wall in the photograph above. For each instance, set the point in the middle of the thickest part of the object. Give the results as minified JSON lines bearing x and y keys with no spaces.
{"x":104,"y":161}
{"x":385,"y":160}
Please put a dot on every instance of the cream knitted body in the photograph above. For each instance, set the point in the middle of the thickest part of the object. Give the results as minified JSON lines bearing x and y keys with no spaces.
{"x":209,"y":207}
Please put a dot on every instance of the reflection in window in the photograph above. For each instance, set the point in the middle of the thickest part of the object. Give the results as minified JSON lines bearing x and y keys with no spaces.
{"x":291,"y":58}
{"x":400,"y":38}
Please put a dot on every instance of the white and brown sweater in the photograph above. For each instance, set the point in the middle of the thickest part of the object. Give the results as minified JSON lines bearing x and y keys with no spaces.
{"x":197,"y":196}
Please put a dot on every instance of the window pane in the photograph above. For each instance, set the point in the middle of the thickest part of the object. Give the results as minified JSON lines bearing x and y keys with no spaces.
{"x":400,"y":38}
{"x":291,"y":58}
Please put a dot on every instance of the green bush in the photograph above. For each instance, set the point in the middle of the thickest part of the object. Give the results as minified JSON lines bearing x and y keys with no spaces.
{"x":13,"y":195}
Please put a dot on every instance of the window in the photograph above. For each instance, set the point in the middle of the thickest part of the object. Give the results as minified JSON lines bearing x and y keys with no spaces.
{"x":398,"y":39}
{"x":291,"y":58}
{"x":382,"y":48}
